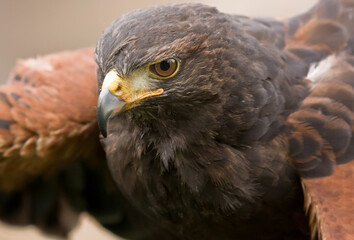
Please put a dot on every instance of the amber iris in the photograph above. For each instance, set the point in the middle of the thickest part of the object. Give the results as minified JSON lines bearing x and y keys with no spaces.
{"x":165,"y":68}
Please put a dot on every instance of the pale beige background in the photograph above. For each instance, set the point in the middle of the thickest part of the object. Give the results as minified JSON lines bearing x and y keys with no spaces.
{"x":30,"y":28}
{"x":35,"y":27}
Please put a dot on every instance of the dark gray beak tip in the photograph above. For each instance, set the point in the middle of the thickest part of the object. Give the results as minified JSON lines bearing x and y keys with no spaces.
{"x":107,"y":104}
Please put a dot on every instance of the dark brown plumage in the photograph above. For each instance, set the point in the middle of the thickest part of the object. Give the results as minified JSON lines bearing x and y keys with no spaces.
{"x":213,"y":148}
{"x":218,"y":154}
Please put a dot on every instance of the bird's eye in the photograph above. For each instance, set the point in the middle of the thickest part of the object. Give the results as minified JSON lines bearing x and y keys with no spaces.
{"x":165,"y":69}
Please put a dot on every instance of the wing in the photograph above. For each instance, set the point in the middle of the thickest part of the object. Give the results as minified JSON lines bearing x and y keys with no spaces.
{"x":47,"y":115}
{"x":52,"y":165}
{"x":322,"y":129}
{"x":323,"y":138}
{"x":329,"y":202}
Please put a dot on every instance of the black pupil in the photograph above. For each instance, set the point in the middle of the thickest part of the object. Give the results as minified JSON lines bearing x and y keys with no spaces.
{"x":164,"y":65}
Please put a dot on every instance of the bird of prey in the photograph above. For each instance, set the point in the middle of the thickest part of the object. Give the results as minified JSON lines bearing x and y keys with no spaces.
{"x":214,"y":126}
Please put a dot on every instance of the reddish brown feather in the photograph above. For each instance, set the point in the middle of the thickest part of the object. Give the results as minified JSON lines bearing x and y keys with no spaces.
{"x":321,"y":34}
{"x":323,"y":136}
{"x":49,"y":103}
{"x":324,"y":125}
{"x":330,"y":201}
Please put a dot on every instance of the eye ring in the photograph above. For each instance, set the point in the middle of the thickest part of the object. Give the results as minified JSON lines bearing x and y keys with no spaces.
{"x":164,"y":69}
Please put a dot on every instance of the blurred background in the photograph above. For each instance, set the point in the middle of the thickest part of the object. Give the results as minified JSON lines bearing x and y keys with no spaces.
{"x":37,"y":27}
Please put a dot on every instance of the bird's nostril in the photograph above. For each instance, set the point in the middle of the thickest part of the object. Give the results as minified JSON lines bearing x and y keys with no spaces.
{"x":118,"y":91}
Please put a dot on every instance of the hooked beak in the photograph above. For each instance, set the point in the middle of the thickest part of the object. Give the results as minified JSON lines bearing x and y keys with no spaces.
{"x":118,"y":94}
{"x":107,"y":103}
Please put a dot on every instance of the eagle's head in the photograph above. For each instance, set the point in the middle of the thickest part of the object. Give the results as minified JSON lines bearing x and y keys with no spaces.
{"x":185,"y":91}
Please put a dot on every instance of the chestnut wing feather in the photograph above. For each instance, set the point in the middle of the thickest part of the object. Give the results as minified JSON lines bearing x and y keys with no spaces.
{"x":322,"y":129}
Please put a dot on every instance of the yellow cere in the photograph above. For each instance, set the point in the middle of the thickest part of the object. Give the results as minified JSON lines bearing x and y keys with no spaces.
{"x":111,"y":81}
{"x":132,"y":88}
